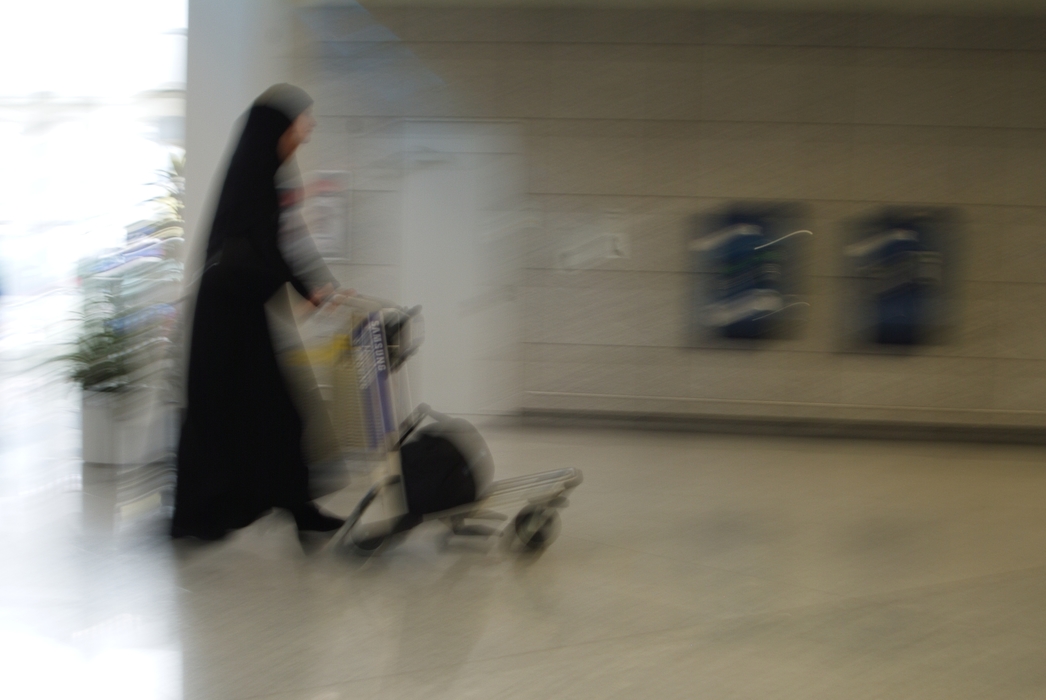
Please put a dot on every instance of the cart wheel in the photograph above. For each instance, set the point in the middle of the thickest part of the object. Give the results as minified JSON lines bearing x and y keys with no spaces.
{"x":367,"y":540}
{"x":368,"y":546}
{"x":537,"y":527}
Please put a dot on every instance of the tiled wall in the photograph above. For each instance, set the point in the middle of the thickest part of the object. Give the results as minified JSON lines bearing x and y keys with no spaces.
{"x":652,"y":117}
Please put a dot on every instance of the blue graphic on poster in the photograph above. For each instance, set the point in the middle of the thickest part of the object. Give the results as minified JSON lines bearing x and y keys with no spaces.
{"x":744,"y":263}
{"x":899,"y":260}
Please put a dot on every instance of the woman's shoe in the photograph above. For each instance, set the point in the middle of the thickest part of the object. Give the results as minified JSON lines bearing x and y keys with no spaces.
{"x":181,"y":533}
{"x":309,"y":518}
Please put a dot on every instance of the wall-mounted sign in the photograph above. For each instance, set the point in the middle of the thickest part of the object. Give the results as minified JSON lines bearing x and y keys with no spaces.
{"x":744,"y":264}
{"x":327,"y":213}
{"x":586,"y":240}
{"x":900,"y":264}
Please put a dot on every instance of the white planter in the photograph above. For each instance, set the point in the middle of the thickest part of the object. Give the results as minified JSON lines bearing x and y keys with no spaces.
{"x":102,"y":443}
{"x":122,"y":428}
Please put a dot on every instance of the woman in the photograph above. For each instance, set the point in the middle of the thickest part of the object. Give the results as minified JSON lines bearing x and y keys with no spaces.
{"x":240,"y":452}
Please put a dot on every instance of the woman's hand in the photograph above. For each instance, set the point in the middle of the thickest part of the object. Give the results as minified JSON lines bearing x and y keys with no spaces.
{"x":340,"y":295}
{"x":329,"y":296}
{"x":320,"y":295}
{"x":326,"y":297}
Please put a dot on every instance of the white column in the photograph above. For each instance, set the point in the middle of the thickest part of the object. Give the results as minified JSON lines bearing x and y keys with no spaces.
{"x":237,"y":48}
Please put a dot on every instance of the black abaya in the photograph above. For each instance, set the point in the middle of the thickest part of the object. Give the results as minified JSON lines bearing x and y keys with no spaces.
{"x":240,"y":452}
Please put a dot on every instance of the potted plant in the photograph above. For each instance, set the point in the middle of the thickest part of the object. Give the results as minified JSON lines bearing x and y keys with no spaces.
{"x":101,"y":364}
{"x":130,"y":299}
{"x":172,"y":202}
{"x":168,"y":220}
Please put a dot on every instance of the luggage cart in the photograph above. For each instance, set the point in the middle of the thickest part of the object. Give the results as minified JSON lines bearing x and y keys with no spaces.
{"x":383,"y":337}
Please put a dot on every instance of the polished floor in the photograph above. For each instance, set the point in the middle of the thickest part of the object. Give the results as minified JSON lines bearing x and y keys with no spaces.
{"x":688,"y":567}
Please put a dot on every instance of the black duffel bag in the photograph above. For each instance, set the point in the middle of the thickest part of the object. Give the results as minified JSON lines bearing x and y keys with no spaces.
{"x":444,"y":465}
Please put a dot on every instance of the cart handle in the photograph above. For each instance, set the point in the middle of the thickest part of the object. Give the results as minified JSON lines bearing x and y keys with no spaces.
{"x":369,"y":303}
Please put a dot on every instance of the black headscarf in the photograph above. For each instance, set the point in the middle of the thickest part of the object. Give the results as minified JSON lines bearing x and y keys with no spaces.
{"x":246,"y":222}
{"x":287,"y":99}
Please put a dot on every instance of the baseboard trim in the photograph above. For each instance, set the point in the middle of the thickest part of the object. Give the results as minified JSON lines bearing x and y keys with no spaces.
{"x":781,"y":427}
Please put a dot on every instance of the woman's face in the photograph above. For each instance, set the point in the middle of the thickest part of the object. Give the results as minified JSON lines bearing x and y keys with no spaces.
{"x":297,"y":134}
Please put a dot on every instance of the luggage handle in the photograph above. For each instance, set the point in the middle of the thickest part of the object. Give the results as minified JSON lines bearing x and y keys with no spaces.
{"x":416,"y":418}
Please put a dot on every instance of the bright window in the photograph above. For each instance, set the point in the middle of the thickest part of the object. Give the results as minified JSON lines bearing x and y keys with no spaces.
{"x":91,"y":105}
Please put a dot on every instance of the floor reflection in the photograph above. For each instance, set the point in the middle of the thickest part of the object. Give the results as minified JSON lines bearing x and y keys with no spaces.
{"x":689,"y":566}
{"x":86,"y":594}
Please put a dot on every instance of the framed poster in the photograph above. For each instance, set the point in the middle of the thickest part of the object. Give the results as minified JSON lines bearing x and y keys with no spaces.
{"x":744,"y":262}
{"x":900,"y":268}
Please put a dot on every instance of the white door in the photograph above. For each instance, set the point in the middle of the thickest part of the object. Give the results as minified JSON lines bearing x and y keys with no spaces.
{"x":463,"y":184}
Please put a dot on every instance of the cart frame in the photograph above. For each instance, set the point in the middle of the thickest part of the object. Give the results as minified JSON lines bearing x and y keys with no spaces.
{"x":542,"y":495}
